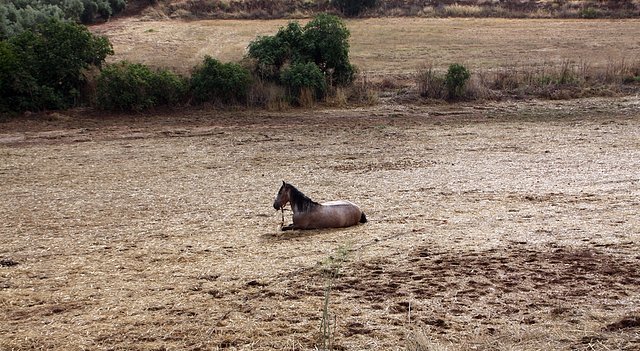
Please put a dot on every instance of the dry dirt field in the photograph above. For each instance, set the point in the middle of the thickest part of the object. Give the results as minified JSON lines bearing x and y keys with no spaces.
{"x":497,"y":226}
{"x":492,"y":226}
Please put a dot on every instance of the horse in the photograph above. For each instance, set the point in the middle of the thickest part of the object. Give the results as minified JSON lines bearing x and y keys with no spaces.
{"x":308,"y":214}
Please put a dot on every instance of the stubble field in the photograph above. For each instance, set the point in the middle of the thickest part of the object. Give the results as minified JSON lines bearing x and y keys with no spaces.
{"x":492,"y":226}
{"x":391,"y":46}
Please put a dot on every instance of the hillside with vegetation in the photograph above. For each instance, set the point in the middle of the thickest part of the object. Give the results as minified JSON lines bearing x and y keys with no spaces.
{"x":260,"y":9}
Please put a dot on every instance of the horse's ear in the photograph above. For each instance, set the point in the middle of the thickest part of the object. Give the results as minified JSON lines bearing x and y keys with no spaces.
{"x":283,"y":183}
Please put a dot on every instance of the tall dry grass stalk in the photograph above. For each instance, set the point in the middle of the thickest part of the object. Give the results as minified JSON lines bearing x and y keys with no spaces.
{"x":331,"y":268}
{"x":457,"y":10}
{"x":362,"y":92}
{"x":307,"y":98}
{"x":267,"y":95}
{"x":430,"y":82}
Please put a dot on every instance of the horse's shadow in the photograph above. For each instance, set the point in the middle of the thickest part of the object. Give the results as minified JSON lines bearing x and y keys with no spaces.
{"x":296,"y":234}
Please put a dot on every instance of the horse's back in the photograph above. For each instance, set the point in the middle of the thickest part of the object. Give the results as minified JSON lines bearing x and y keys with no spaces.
{"x":331,"y":214}
{"x":334,"y":214}
{"x":339,"y":203}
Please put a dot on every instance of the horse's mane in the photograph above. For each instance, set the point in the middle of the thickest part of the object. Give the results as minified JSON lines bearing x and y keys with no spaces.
{"x":299,"y":200}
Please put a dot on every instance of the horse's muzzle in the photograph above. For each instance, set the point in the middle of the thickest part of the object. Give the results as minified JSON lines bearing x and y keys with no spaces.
{"x":276,"y":206}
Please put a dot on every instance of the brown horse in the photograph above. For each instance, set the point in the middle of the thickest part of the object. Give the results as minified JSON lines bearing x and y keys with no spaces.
{"x":308,"y":214}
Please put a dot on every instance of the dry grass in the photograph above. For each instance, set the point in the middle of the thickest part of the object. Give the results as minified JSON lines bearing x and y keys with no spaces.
{"x":391,"y":46}
{"x":515,"y":57}
{"x":503,"y":226}
{"x":565,"y":80}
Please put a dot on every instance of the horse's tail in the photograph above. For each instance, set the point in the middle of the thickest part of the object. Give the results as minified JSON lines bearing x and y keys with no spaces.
{"x":363,"y":218}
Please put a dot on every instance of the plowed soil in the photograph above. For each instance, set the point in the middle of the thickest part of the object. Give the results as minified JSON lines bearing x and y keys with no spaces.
{"x":498,"y":226}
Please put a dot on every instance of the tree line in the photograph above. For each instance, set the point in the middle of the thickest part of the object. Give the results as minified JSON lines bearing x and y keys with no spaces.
{"x":46,"y":67}
{"x":18,"y":16}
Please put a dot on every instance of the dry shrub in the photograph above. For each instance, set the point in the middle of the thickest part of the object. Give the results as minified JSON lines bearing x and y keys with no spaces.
{"x":431,"y":84}
{"x":564,"y":80}
{"x":389,"y":83}
{"x":307,"y":97}
{"x":456,"y":10}
{"x":622,"y":71}
{"x":267,"y":95}
{"x":505,"y":79}
{"x":477,"y":88}
{"x":339,"y":98}
{"x":362,"y":91}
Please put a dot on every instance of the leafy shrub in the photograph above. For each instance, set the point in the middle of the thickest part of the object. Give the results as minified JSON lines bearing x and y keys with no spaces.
{"x":455,"y":80}
{"x":42,"y":69}
{"x":272,"y":52}
{"x":323,"y":41}
{"x":167,"y":88}
{"x":326,"y":42}
{"x":352,"y":8}
{"x":588,"y":13}
{"x":302,"y":77}
{"x":128,"y":86}
{"x":214,"y":81}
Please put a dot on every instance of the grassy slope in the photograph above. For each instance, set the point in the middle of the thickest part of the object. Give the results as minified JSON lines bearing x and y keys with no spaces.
{"x":259,"y":9}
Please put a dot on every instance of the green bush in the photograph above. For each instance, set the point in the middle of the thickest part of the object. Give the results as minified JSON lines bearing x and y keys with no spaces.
{"x":218,"y":82}
{"x":43,"y":68}
{"x":167,"y":88}
{"x":128,"y":86}
{"x":301,"y":76}
{"x":352,"y":8}
{"x":326,"y":42}
{"x":631,"y":79}
{"x":588,"y":13}
{"x":455,"y":80}
{"x":323,"y":41}
{"x":272,"y":52}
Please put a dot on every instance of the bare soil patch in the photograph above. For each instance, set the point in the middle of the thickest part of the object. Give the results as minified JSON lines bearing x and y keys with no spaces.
{"x":495,"y":226}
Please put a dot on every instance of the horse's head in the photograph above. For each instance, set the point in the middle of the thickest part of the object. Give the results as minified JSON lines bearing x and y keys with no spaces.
{"x":283,"y":196}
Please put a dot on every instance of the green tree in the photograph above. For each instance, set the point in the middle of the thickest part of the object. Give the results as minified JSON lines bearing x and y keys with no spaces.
{"x":323,"y":41}
{"x":51,"y":59}
{"x":272,"y":52}
{"x":18,"y":16}
{"x":9,"y":72}
{"x":326,"y":43}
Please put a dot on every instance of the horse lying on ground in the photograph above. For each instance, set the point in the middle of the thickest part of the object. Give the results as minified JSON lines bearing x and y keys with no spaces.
{"x":308,"y":214}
